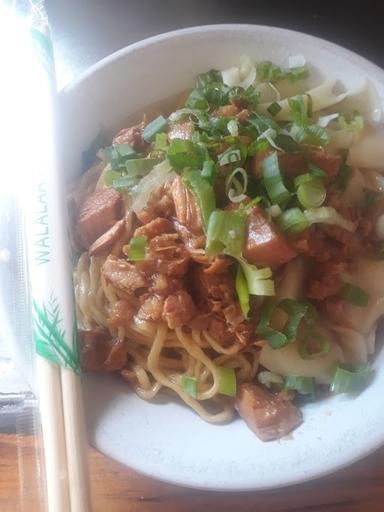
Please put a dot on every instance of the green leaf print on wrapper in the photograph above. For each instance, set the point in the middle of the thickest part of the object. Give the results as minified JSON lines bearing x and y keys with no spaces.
{"x":49,"y":337}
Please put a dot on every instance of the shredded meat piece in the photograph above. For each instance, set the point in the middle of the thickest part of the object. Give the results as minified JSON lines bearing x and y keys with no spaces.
{"x":233,"y":315}
{"x":327,"y":162}
{"x":122,"y":313}
{"x":151,"y":308}
{"x":193,"y":242}
{"x":132,"y":136}
{"x":164,"y":285}
{"x":217,"y":265}
{"x":166,"y":254}
{"x":123,"y":276}
{"x":209,"y":287}
{"x":101,"y":353}
{"x":154,"y":228}
{"x":178,"y":309}
{"x":226,"y":111}
{"x":185,"y":206}
{"x":327,"y":282}
{"x":98,"y":213}
{"x":160,"y":204}
{"x":216,"y":293}
{"x":181,"y":131}
{"x":106,"y":241}
{"x":268,"y":415}
{"x":264,"y":246}
{"x":243,"y":115}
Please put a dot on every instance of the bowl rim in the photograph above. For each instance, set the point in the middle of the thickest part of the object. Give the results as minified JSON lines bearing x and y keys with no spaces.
{"x":370,"y":444}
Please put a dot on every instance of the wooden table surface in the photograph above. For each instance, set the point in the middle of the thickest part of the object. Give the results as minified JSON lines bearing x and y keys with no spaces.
{"x":117,"y":489}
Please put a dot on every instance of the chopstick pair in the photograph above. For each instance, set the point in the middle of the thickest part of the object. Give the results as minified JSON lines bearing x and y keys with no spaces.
{"x":64,"y":439}
{"x":49,"y":271}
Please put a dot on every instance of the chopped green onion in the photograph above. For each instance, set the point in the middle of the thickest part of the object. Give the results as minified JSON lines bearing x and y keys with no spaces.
{"x":209,"y":171}
{"x":189,"y":385}
{"x":156,"y":126}
{"x":355,"y":295}
{"x":347,"y":380}
{"x":242,"y":291}
{"x":303,"y":385}
{"x":139,"y":166}
{"x":355,"y":125}
{"x":257,"y":146}
{"x":316,"y":171}
{"x":118,"y":154}
{"x":299,"y":112}
{"x":125,"y":182}
{"x":203,"y":193}
{"x":292,"y":221}
{"x":185,"y":153}
{"x":313,"y":134}
{"x":236,"y":185}
{"x":270,"y":134}
{"x":309,"y":105}
{"x":259,"y":123}
{"x":270,"y":379}
{"x":137,"y":248}
{"x":226,"y":381}
{"x":258,"y":280}
{"x":314,"y":346}
{"x":196,"y":100}
{"x":286,"y":143}
{"x":299,"y":73}
{"x":233,"y":127}
{"x":311,"y":191}
{"x":273,"y":180}
{"x":230,"y":156}
{"x":110,"y":176}
{"x":296,"y":311}
{"x":225,"y":233}
{"x":161,"y":141}
{"x":274,"y":108}
{"x":201,"y":118}
{"x":328,"y":215}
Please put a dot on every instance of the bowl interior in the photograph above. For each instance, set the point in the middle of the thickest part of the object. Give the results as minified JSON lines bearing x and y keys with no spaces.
{"x":167,"y":440}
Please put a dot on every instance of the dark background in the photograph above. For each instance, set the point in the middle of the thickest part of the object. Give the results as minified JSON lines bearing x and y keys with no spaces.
{"x":86,"y":30}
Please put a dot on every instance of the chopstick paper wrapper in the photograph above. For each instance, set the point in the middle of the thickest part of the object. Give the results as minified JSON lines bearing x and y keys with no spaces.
{"x":51,"y":292}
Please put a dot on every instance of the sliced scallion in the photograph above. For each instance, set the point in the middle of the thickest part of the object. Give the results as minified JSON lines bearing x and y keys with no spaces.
{"x":274,"y":108}
{"x":189,"y":385}
{"x":226,"y":381}
{"x":292,"y":221}
{"x":259,"y":280}
{"x":185,"y":153}
{"x":242,"y":291}
{"x":230,"y":156}
{"x":312,"y":192}
{"x":156,"y":126}
{"x":203,"y":193}
{"x":303,"y":385}
{"x":236,"y":185}
{"x":209,"y":171}
{"x":225,"y":233}
{"x":295,"y":311}
{"x":161,"y":141}
{"x":349,"y":380}
{"x":137,"y":248}
{"x":328,"y":215}
{"x":273,"y":180}
{"x":355,"y":295}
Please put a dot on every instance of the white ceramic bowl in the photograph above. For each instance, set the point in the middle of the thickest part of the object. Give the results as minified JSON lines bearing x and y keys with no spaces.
{"x":167,"y":440}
